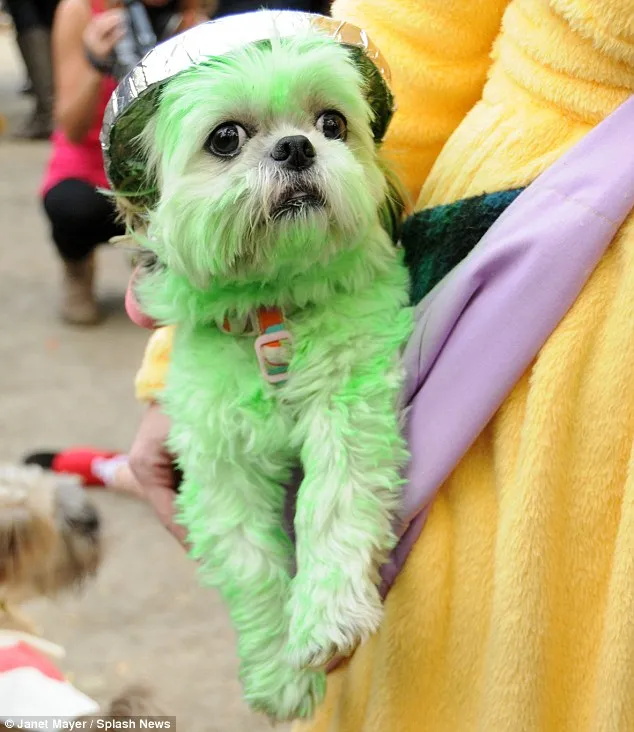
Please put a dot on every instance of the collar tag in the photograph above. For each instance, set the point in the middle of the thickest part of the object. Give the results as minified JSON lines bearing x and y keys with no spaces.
{"x":273,"y":343}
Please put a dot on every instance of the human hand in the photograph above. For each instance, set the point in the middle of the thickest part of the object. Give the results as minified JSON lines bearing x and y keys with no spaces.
{"x":136,"y":315}
{"x":153,"y":467}
{"x":190,"y":19}
{"x":103,"y":33}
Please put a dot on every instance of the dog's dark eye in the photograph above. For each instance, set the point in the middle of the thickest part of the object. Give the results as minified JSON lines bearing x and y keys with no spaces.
{"x":333,"y":125}
{"x":226,"y":140}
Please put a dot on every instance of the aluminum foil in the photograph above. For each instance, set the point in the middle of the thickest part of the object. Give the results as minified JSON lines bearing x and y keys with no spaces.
{"x":134,"y":100}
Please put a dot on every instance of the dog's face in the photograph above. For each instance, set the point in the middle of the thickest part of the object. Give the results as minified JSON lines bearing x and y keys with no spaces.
{"x":49,"y":534}
{"x":264,"y":161}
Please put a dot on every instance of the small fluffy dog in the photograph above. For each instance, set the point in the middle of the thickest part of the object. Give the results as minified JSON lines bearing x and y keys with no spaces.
{"x":49,"y":536}
{"x":276,"y":261}
{"x":50,"y":541}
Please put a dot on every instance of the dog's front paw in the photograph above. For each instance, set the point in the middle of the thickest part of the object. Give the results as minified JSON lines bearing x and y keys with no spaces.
{"x":285,"y":694}
{"x":334,"y":626}
{"x":313,"y":652}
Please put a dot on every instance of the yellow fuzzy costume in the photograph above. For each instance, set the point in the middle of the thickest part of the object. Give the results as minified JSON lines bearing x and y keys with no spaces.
{"x":515,"y":609}
{"x":150,"y":377}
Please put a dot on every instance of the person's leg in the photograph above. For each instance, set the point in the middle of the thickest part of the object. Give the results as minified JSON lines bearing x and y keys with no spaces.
{"x":95,"y":468}
{"x":81,"y":219}
{"x":33,"y":35}
{"x":46,"y":11}
{"x":117,"y":476}
{"x":23,"y":13}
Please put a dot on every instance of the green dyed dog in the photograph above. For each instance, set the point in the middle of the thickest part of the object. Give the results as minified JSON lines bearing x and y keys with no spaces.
{"x":276,"y":263}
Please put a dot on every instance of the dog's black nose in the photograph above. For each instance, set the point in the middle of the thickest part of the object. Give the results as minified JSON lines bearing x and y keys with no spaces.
{"x":295,"y":151}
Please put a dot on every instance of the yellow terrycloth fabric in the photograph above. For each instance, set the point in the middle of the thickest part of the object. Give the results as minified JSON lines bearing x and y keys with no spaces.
{"x":438,"y":53}
{"x":150,"y":377}
{"x":515,"y":610}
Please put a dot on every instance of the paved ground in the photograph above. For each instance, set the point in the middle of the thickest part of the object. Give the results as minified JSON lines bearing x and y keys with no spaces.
{"x":144,"y":618}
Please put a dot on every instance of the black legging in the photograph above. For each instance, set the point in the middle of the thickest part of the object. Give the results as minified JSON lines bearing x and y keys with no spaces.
{"x":81,"y":218}
{"x":27,"y":14}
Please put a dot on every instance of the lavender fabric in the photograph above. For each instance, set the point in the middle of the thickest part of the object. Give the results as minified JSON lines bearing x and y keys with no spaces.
{"x":480,"y":328}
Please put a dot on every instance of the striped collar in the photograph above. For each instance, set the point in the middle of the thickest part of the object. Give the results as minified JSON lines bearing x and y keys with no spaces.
{"x":273,"y":340}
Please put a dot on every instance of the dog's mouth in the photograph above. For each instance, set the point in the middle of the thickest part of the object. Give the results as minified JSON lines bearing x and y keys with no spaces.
{"x":294,"y":203}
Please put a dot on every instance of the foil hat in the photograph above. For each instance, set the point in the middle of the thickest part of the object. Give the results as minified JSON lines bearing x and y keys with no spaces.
{"x":134,"y":100}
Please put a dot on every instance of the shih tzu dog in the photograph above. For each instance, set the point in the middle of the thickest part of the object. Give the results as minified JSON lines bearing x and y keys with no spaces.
{"x":275,"y":255}
{"x":50,"y":541}
{"x":49,"y":535}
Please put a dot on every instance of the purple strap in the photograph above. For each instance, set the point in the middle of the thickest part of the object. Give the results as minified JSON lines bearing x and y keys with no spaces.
{"x":479,"y":330}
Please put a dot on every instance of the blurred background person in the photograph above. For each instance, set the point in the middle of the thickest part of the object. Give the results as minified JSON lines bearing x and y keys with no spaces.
{"x":33,"y":20}
{"x":85,"y":33}
{"x":231,"y":7}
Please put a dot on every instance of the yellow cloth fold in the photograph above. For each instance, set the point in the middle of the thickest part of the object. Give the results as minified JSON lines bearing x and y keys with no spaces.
{"x":438,"y":53}
{"x":515,"y":610}
{"x":151,"y":375}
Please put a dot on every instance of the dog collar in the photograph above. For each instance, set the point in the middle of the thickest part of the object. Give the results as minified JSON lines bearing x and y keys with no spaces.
{"x":273,"y":340}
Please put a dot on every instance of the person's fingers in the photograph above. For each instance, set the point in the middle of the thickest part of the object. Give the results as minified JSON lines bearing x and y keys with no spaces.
{"x":162,"y":501}
{"x":152,"y":466}
{"x":164,"y":476}
{"x":161,"y":422}
{"x":148,"y":448}
{"x":101,"y":28}
{"x":138,"y":462}
{"x":150,"y":471}
{"x":104,"y":32}
{"x":191,"y":18}
{"x":114,"y":36}
{"x":150,"y":462}
{"x":110,"y":40}
{"x":108,"y":21}
{"x":136,"y":315}
{"x":336,"y":662}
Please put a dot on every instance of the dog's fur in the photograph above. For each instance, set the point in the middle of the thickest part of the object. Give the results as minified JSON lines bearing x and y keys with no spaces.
{"x":224,"y":249}
{"x":50,"y":541}
{"x":49,"y":535}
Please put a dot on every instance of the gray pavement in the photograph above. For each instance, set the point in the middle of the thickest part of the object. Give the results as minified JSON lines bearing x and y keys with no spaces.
{"x":144,"y":617}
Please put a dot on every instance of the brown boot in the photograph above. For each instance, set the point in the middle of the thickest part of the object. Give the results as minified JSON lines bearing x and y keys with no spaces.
{"x":78,"y":300}
{"x":35,"y":46}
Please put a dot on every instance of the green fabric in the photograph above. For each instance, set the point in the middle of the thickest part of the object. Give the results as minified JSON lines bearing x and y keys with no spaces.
{"x":437,"y":239}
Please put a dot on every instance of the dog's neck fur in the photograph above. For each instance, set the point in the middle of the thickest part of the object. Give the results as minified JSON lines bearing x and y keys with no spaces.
{"x":171,"y":299}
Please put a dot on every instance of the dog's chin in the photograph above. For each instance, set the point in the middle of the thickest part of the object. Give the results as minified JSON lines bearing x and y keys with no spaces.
{"x":298,"y":205}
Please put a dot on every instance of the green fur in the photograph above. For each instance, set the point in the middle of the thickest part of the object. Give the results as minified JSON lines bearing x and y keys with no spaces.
{"x":344,"y":289}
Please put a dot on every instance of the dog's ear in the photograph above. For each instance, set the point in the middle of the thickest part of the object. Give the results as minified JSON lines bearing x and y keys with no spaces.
{"x":393,"y":208}
{"x":135,"y":701}
{"x":133,"y":178}
{"x":136,"y":191}
{"x":27,"y":530}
